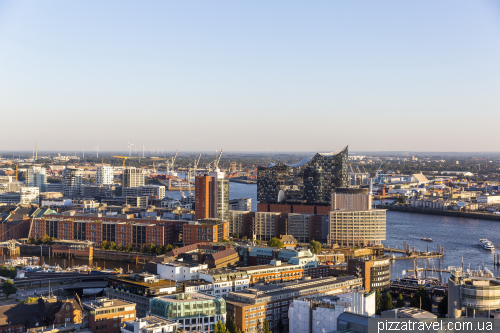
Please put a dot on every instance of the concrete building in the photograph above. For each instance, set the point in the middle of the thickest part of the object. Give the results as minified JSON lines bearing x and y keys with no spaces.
{"x":104,"y":175}
{"x":106,"y":316}
{"x":36,"y":177}
{"x":242,"y":204}
{"x":149,"y":324}
{"x":376,"y":272}
{"x":180,"y":271}
{"x":72,"y":182}
{"x":298,"y":226}
{"x":25,"y":196}
{"x":251,"y":306}
{"x":141,"y":202}
{"x":357,"y":228}
{"x":157,"y":191}
{"x":351,"y":199}
{"x":474,"y":294}
{"x":134,"y":177}
{"x":489,"y":198}
{"x":264,"y":226}
{"x":193,"y":311}
{"x":235,"y":222}
{"x":139,"y":289}
{"x":223,"y":281}
{"x":413,"y":313}
{"x":313,"y":316}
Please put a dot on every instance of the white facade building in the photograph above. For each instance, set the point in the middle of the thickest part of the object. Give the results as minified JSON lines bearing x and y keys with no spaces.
{"x":104,"y":175}
{"x":179,"y":271}
{"x":134,"y":177}
{"x":149,"y":324}
{"x":36,"y":177}
{"x":223,"y":282}
{"x":30,"y":195}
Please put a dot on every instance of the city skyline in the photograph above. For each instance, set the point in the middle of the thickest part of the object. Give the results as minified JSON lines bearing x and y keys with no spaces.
{"x":250,"y":77}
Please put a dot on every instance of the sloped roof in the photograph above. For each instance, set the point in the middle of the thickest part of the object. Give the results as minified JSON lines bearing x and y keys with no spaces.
{"x":420,"y":178}
{"x":221,"y":254}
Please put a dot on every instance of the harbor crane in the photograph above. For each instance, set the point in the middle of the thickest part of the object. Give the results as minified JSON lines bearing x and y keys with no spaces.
{"x":192,"y":169}
{"x":213,"y":166}
{"x":170,"y":163}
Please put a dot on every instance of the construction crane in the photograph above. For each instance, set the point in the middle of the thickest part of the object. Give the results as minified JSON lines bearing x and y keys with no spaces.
{"x":217,"y":160}
{"x":192,"y":168}
{"x":124,"y":158}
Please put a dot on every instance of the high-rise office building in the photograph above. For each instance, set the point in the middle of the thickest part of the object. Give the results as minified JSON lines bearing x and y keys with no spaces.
{"x":212,"y":196}
{"x":35,"y":177}
{"x":134,"y":177}
{"x":72,"y":182}
{"x":104,"y":175}
{"x":308,"y":183}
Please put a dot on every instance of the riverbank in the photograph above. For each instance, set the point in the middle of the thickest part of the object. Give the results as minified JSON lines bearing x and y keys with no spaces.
{"x":442,"y":212}
{"x":242,"y":181}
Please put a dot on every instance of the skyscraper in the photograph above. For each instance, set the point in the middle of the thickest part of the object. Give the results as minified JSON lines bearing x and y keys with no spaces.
{"x":212,"y":196}
{"x":72,"y":182}
{"x":35,"y":177}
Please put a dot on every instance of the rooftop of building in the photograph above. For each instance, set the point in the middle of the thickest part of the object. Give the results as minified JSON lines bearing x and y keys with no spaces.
{"x":103,"y":303}
{"x":280,"y":289}
{"x":132,"y":279}
{"x":151,"y":321}
{"x":187,"y":297}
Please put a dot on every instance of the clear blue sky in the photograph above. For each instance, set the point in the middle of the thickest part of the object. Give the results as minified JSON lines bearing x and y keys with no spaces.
{"x":251,"y":76}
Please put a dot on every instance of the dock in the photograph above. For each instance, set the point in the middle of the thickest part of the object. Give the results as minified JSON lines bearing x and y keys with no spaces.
{"x":411,"y":253}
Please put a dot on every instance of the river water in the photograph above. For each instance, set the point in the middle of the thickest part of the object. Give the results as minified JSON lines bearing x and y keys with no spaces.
{"x":459,"y":237}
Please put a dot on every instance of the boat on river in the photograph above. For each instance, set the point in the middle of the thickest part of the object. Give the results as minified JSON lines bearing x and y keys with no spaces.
{"x":486,"y":244}
{"x":426,"y":239}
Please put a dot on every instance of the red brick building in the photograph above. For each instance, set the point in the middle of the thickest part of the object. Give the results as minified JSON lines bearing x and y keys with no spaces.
{"x":105,"y":316}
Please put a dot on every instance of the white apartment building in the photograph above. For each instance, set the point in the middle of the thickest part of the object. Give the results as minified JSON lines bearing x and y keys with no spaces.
{"x":134,"y":177}
{"x":146,"y":190}
{"x":36,"y":177}
{"x":104,"y":175}
{"x":72,"y":182}
{"x":30,"y":195}
{"x":223,"y":281}
{"x":149,"y":324}
{"x":180,"y":271}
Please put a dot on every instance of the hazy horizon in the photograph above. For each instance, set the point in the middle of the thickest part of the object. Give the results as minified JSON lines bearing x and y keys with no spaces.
{"x":250,"y":77}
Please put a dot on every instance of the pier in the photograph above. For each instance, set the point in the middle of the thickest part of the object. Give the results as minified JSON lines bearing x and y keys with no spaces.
{"x":411,"y":253}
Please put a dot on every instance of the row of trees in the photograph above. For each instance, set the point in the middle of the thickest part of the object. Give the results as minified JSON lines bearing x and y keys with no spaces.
{"x":39,"y":241}
{"x":314,"y":246}
{"x":421,"y":300}
{"x":230,"y":327}
{"x":152,"y":249}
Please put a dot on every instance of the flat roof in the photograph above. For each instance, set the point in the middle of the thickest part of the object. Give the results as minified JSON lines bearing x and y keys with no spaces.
{"x":106,"y":303}
{"x":194,"y":297}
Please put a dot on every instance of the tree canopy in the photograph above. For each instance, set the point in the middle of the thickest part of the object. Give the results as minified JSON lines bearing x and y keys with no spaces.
{"x":421,"y":296}
{"x":315,"y":247}
{"x":275,"y":242}
{"x":400,"y":303}
{"x":8,"y":288}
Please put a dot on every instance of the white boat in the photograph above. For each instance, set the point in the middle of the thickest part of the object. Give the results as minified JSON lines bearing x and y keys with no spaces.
{"x":486,"y":244}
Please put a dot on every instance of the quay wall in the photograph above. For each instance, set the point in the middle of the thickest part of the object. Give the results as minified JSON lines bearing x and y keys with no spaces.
{"x":442,"y":212}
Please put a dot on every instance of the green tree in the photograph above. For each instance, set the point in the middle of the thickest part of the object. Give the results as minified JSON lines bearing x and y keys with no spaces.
{"x":144,"y":248}
{"x":119,"y":247}
{"x":112,"y":246}
{"x":388,"y":305}
{"x":226,"y":240}
{"x":152,"y":248}
{"x":128,"y":248}
{"x":38,"y":241}
{"x":231,"y":325}
{"x":168,"y":248}
{"x":443,"y":305}
{"x":104,"y":245}
{"x":421,"y":296}
{"x":46,"y":239}
{"x":8,"y":271}
{"x":257,"y":242}
{"x":315,"y":247}
{"x":220,"y":328}
{"x":31,"y":240}
{"x":160,"y":249}
{"x":28,"y":300}
{"x":275,"y":242}
{"x":402,"y":199}
{"x":400,"y":303}
{"x":8,"y":288}
{"x":378,"y":302}
{"x":265,"y":327}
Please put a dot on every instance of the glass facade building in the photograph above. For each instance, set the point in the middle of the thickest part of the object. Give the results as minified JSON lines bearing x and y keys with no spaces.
{"x":310,"y":181}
